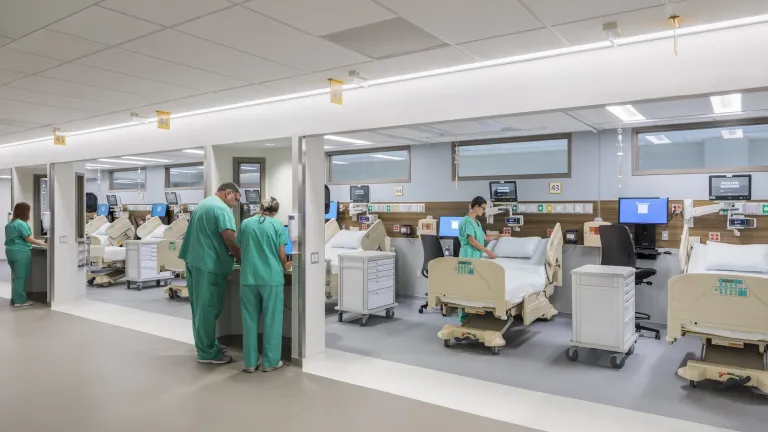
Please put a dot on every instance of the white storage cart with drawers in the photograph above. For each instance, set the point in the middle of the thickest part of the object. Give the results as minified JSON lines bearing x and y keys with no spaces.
{"x":604,"y":311}
{"x":367,"y":284}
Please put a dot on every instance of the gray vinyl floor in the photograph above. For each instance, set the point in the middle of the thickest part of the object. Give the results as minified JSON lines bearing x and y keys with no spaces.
{"x":64,"y":373}
{"x":150,"y":299}
{"x":534,"y":359}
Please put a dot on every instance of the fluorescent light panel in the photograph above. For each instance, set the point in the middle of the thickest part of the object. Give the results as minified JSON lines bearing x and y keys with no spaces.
{"x":727,"y":103}
{"x":5,"y":177}
{"x":343,"y":139}
{"x":381,"y":156}
{"x":122,"y":161}
{"x":97,"y":166}
{"x":340,"y":163}
{"x":145,"y":159}
{"x":194,"y":151}
{"x":625,"y":112}
{"x":658,"y":139}
{"x":732,"y":133}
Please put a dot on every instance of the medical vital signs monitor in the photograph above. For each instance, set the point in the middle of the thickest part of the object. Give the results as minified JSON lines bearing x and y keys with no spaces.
{"x":730,"y":187}
{"x":503,"y":191}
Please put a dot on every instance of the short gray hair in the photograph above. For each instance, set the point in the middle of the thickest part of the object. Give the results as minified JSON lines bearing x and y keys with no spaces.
{"x":228,"y":186}
{"x":270,"y":205}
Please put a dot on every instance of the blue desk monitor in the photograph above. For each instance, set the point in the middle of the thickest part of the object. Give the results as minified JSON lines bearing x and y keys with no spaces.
{"x":289,"y":246}
{"x":449,"y":226}
{"x":644,"y":211}
{"x":333,"y":213}
{"x":159,"y":210}
{"x":102,"y":210}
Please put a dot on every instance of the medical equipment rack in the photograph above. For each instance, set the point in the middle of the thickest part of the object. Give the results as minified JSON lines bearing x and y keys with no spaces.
{"x":367,"y":284}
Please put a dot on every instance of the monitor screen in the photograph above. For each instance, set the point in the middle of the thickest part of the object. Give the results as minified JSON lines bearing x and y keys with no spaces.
{"x":730,"y":187}
{"x":641,"y":211}
{"x":333,"y":213}
{"x":289,"y":246}
{"x":112,"y":200}
{"x":102,"y":210}
{"x":503,"y":191}
{"x":360,"y":194}
{"x":253,"y":196}
{"x":159,"y":210}
{"x":449,"y":226}
{"x":171,"y":198}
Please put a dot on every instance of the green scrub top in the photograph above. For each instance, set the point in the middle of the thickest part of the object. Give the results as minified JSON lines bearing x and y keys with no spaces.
{"x":260,"y":238}
{"x":203,"y":246}
{"x":467,"y":227}
{"x":15,"y":233}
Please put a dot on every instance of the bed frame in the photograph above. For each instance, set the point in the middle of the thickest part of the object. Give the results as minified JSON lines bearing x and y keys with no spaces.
{"x":477,"y":286}
{"x":720,"y":301}
{"x":374,"y":239}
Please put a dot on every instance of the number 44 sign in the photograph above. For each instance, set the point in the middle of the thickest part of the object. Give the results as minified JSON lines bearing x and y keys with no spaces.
{"x":555,"y":188}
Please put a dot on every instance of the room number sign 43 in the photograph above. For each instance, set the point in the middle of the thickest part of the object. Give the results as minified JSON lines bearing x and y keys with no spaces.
{"x":555,"y":187}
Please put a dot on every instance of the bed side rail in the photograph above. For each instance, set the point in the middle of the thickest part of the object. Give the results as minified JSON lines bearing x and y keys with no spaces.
{"x":467,"y":282}
{"x":554,"y":262}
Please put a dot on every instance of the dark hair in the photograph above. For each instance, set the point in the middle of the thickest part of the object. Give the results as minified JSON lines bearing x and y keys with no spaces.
{"x":228,"y":186}
{"x":478,"y":201}
{"x":21,"y":211}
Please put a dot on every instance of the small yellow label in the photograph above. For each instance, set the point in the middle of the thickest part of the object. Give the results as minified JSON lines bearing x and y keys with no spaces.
{"x":164,"y":120}
{"x":337,"y":91}
{"x":59,"y":139}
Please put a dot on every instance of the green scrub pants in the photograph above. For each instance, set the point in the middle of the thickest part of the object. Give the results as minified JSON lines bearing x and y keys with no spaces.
{"x":20,"y":262}
{"x":206,"y":297}
{"x":257,"y":301}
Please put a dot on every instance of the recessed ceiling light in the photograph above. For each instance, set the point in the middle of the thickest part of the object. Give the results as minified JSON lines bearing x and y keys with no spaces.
{"x":194,"y":151}
{"x":342,"y":139}
{"x":658,"y":139}
{"x":341,"y":163}
{"x":97,"y":166}
{"x":122,"y":161}
{"x":381,"y":156}
{"x":183,"y":171}
{"x":145,"y":159}
{"x":5,"y":177}
{"x":269,"y":144}
{"x":727,"y":103}
{"x":732,"y":133}
{"x":625,"y":112}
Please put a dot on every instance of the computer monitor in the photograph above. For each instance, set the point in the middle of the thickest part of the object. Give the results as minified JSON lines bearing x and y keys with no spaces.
{"x":333,"y":213}
{"x":159,"y":210}
{"x":112,"y":200}
{"x":172,"y":198}
{"x":102,"y":210}
{"x":252,"y":196}
{"x":644,"y":211}
{"x":289,"y":246}
{"x":360,"y":194}
{"x":503,"y":191}
{"x":730,"y":187}
{"x":448,"y":226}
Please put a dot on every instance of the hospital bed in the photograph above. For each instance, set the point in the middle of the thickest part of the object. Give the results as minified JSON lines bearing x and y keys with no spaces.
{"x":141,"y":263}
{"x":338,"y":242}
{"x":727,"y":310}
{"x":168,"y":256}
{"x":493,"y":292}
{"x":106,"y":251}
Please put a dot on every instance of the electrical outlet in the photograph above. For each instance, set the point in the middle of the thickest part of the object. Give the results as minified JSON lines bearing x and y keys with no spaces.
{"x":63,"y":239}
{"x":665,"y":235}
{"x":677,"y":208}
{"x":314,"y":257}
{"x":714,"y":236}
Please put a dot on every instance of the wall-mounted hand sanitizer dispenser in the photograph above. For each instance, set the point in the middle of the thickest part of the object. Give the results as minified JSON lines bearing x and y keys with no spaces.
{"x":293,"y":227}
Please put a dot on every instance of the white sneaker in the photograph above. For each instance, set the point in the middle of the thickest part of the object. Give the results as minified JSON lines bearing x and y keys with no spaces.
{"x":220,"y":359}
{"x":29,"y":303}
{"x":270,"y":369}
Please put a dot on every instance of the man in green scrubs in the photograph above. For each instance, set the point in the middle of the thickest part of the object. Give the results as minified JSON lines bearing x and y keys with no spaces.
{"x":18,"y":246}
{"x":209,"y":249}
{"x":262,"y":240}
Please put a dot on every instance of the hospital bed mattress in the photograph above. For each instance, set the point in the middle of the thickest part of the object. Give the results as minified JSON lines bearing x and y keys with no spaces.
{"x":697,"y":264}
{"x":114,"y":253}
{"x":332,"y":254}
{"x":524,"y":276}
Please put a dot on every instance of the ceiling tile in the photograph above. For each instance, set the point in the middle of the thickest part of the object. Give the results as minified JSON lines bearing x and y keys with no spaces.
{"x":469,"y":126}
{"x":103,"y":25}
{"x":42,"y":114}
{"x":22,"y":95}
{"x":185,"y":49}
{"x":5,"y":130}
{"x":119,"y":60}
{"x":75,"y":73}
{"x":166,"y":12}
{"x":21,"y":17}
{"x":555,"y":12}
{"x":243,"y":29}
{"x":514,"y":44}
{"x":310,"y":82}
{"x":674,"y":108}
{"x":55,"y":45}
{"x":595,"y":116}
{"x":221,"y":98}
{"x":7,"y":76}
{"x":322,"y":17}
{"x":635,"y":23}
{"x":20,"y":61}
{"x":80,"y":91}
{"x":5,"y":40}
{"x":456,"y":21}
{"x":545,"y":123}
{"x":756,"y":101}
{"x":697,"y":12}
{"x":392,"y":37}
{"x":438,"y":58}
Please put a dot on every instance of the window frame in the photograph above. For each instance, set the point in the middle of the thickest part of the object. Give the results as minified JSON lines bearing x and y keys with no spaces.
{"x":112,"y":178}
{"x":329,"y":165}
{"x":167,"y":174}
{"x":236,"y":162}
{"x":511,"y":140}
{"x":636,"y":171}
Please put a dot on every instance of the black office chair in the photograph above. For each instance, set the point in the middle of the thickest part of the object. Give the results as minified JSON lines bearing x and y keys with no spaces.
{"x":432,"y":250}
{"x":619,"y":250}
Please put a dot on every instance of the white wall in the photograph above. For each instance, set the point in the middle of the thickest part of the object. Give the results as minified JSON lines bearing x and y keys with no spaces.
{"x":154,"y":193}
{"x":68,"y":277}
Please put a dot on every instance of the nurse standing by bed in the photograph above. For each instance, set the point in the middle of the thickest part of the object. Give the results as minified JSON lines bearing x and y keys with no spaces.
{"x":471,"y":234}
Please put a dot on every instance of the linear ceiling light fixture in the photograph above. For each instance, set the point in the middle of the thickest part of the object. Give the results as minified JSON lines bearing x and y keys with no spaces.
{"x":757,"y":19}
{"x":726,"y":103}
{"x":625,"y":113}
{"x":194,"y":151}
{"x":340,"y":163}
{"x":732,"y":133}
{"x":122,"y":161}
{"x":381,"y":156}
{"x":88,"y":165}
{"x":348,"y":140}
{"x":658,"y":139}
{"x":145,"y":159}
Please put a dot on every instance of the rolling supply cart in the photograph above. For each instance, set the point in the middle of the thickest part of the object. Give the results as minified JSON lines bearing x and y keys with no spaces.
{"x":367,"y":284}
{"x":604,"y":312}
{"x":141,"y":265}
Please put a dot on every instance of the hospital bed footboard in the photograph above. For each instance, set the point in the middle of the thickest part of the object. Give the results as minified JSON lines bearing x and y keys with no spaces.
{"x":476,"y":285}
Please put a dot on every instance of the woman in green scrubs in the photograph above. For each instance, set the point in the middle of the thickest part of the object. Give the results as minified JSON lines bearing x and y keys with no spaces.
{"x":18,"y":246}
{"x":262,"y":241}
{"x":472,"y":237}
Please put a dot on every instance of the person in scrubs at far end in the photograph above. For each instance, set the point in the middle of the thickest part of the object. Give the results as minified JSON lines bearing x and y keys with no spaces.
{"x":262,"y":240}
{"x":472,"y":237}
{"x":18,"y":246}
{"x":209,"y":250}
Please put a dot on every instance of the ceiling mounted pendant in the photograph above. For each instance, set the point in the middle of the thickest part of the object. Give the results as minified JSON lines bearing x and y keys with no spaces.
{"x":675,"y":21}
{"x":619,"y":152}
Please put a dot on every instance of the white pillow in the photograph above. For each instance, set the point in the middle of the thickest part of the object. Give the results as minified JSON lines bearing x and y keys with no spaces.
{"x":490,"y":247}
{"x":346,"y":239}
{"x":744,"y":258}
{"x":516,"y":247}
{"x":158,"y":232}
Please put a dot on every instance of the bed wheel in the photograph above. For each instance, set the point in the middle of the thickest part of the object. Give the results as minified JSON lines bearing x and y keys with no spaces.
{"x":692,"y":383}
{"x":158,"y":282}
{"x":341,"y":316}
{"x":447,"y":343}
{"x":617,"y":362}
{"x":658,"y":336}
{"x":649,"y":283}
{"x":139,"y":287}
{"x":171,"y":295}
{"x":631,"y":350}
{"x":572,"y":354}
{"x":421,"y":310}
{"x":105,"y":284}
{"x":127,"y":284}
{"x":495,"y":350}
{"x":364,"y":321}
{"x":90,"y":281}
{"x":390,"y":313}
